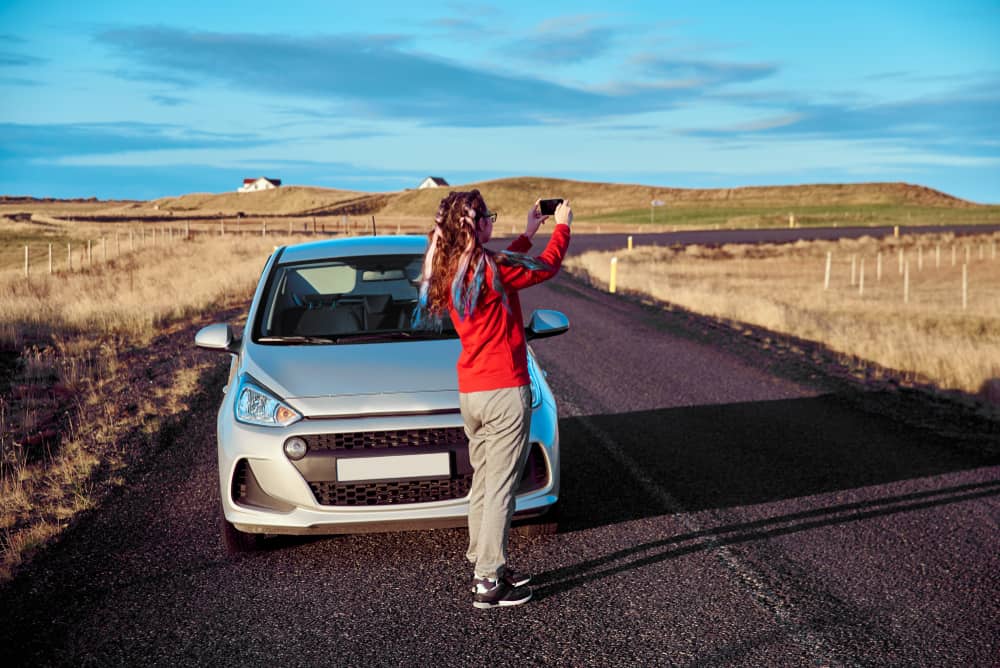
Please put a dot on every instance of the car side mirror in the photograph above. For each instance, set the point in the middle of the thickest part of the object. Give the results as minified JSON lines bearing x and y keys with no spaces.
{"x":219,"y":336}
{"x":545,"y":323}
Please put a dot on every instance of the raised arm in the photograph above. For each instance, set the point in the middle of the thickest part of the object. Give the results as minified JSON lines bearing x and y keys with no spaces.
{"x":519,"y":277}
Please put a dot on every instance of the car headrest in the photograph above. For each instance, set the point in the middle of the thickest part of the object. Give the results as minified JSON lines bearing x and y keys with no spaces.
{"x":377,"y":303}
{"x":322,"y":322}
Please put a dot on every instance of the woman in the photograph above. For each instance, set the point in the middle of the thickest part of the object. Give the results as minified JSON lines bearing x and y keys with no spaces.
{"x":478,"y":289}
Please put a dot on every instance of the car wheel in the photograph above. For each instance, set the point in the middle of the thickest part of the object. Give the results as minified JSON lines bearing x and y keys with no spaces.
{"x":544,"y":525}
{"x":236,"y":542}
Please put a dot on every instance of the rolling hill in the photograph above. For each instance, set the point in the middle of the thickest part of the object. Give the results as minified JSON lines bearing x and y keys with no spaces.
{"x":517,"y":194}
{"x":598,"y":202}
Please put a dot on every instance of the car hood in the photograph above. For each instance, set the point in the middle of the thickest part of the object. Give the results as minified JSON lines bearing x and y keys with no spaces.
{"x":371,"y":378}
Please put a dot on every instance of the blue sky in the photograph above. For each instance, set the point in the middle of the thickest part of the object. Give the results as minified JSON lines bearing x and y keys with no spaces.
{"x":143,"y":100}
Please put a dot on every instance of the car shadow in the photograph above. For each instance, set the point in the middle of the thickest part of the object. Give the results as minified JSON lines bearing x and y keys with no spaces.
{"x":629,"y":466}
{"x":562,"y":579}
{"x":720,"y":456}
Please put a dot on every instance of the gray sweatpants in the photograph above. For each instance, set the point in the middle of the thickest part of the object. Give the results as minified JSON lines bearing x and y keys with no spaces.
{"x":497,"y":423}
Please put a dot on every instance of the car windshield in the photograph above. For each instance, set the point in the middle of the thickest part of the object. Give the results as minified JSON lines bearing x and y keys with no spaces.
{"x":355,"y":299}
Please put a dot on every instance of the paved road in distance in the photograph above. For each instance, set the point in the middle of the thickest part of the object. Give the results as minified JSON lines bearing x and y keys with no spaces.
{"x":613,"y":241}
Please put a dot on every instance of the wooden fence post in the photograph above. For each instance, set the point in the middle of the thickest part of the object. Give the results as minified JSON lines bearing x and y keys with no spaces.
{"x":965,"y":286}
{"x":906,"y":284}
{"x":826,"y":275}
{"x":878,"y":266}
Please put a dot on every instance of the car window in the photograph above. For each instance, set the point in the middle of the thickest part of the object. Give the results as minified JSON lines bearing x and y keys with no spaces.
{"x":342,"y":297}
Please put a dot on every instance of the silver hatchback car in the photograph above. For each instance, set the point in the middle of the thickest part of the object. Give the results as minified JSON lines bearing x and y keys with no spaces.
{"x":338,"y":417}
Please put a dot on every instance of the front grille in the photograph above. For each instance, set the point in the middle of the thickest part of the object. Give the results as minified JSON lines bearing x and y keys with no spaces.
{"x":387,"y":493}
{"x":400,"y":438}
{"x":390,"y":493}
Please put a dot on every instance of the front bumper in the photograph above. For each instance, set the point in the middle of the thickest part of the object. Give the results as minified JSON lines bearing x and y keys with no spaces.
{"x":264,"y":492}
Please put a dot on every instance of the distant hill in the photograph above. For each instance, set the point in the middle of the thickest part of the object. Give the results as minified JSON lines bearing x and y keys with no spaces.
{"x":509,"y":196}
{"x":517,"y":194}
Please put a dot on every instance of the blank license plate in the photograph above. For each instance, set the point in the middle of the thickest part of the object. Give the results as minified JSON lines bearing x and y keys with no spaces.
{"x":433,"y":464}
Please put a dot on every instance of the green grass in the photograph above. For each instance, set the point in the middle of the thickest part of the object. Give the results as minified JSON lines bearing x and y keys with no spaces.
{"x":817,"y":216}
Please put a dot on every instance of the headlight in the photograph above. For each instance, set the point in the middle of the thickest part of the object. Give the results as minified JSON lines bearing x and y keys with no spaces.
{"x":256,"y":406}
{"x":536,"y":393}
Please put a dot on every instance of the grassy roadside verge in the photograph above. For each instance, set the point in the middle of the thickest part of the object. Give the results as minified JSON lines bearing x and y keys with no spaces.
{"x":95,"y":365}
{"x":115,"y":424}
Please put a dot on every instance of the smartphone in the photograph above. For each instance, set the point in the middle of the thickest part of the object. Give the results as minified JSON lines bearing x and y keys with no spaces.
{"x":548,"y":206}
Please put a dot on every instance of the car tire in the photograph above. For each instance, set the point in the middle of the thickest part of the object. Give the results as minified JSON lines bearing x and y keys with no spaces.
{"x":544,"y":525}
{"x":236,"y":542}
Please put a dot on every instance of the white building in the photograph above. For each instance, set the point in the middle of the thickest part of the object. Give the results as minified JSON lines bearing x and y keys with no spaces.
{"x":260,"y":183}
{"x":432,"y":182}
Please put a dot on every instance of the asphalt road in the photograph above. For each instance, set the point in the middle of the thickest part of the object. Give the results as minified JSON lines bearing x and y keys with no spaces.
{"x":720,"y":507}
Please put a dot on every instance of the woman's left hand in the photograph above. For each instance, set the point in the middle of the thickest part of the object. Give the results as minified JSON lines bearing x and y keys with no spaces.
{"x":535,"y":220}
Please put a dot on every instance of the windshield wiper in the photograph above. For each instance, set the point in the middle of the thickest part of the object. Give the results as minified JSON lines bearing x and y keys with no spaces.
{"x":397,"y":334}
{"x":295,"y":339}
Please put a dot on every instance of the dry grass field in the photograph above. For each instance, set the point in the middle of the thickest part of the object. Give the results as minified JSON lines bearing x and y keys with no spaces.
{"x":94,"y":358}
{"x":923,"y":331}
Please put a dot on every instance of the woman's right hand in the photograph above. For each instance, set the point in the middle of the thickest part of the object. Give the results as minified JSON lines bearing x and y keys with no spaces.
{"x":535,"y":220}
{"x":564,"y":214}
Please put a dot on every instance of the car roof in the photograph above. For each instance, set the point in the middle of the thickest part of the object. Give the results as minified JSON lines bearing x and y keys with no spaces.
{"x":353,"y":247}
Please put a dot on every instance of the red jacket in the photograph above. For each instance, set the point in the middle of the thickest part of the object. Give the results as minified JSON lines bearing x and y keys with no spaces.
{"x":494,"y":352}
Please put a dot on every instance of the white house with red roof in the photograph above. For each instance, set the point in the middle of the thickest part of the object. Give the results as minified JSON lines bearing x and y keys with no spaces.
{"x":432,"y":182}
{"x":259,"y":183}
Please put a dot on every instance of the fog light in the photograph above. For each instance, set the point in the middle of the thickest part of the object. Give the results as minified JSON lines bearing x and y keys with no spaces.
{"x":296,"y":448}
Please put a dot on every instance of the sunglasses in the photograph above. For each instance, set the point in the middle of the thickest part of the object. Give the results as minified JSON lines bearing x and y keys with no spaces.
{"x":490,"y":216}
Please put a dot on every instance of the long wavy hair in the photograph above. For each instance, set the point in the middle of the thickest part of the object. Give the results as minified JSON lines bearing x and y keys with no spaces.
{"x":455,"y":263}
